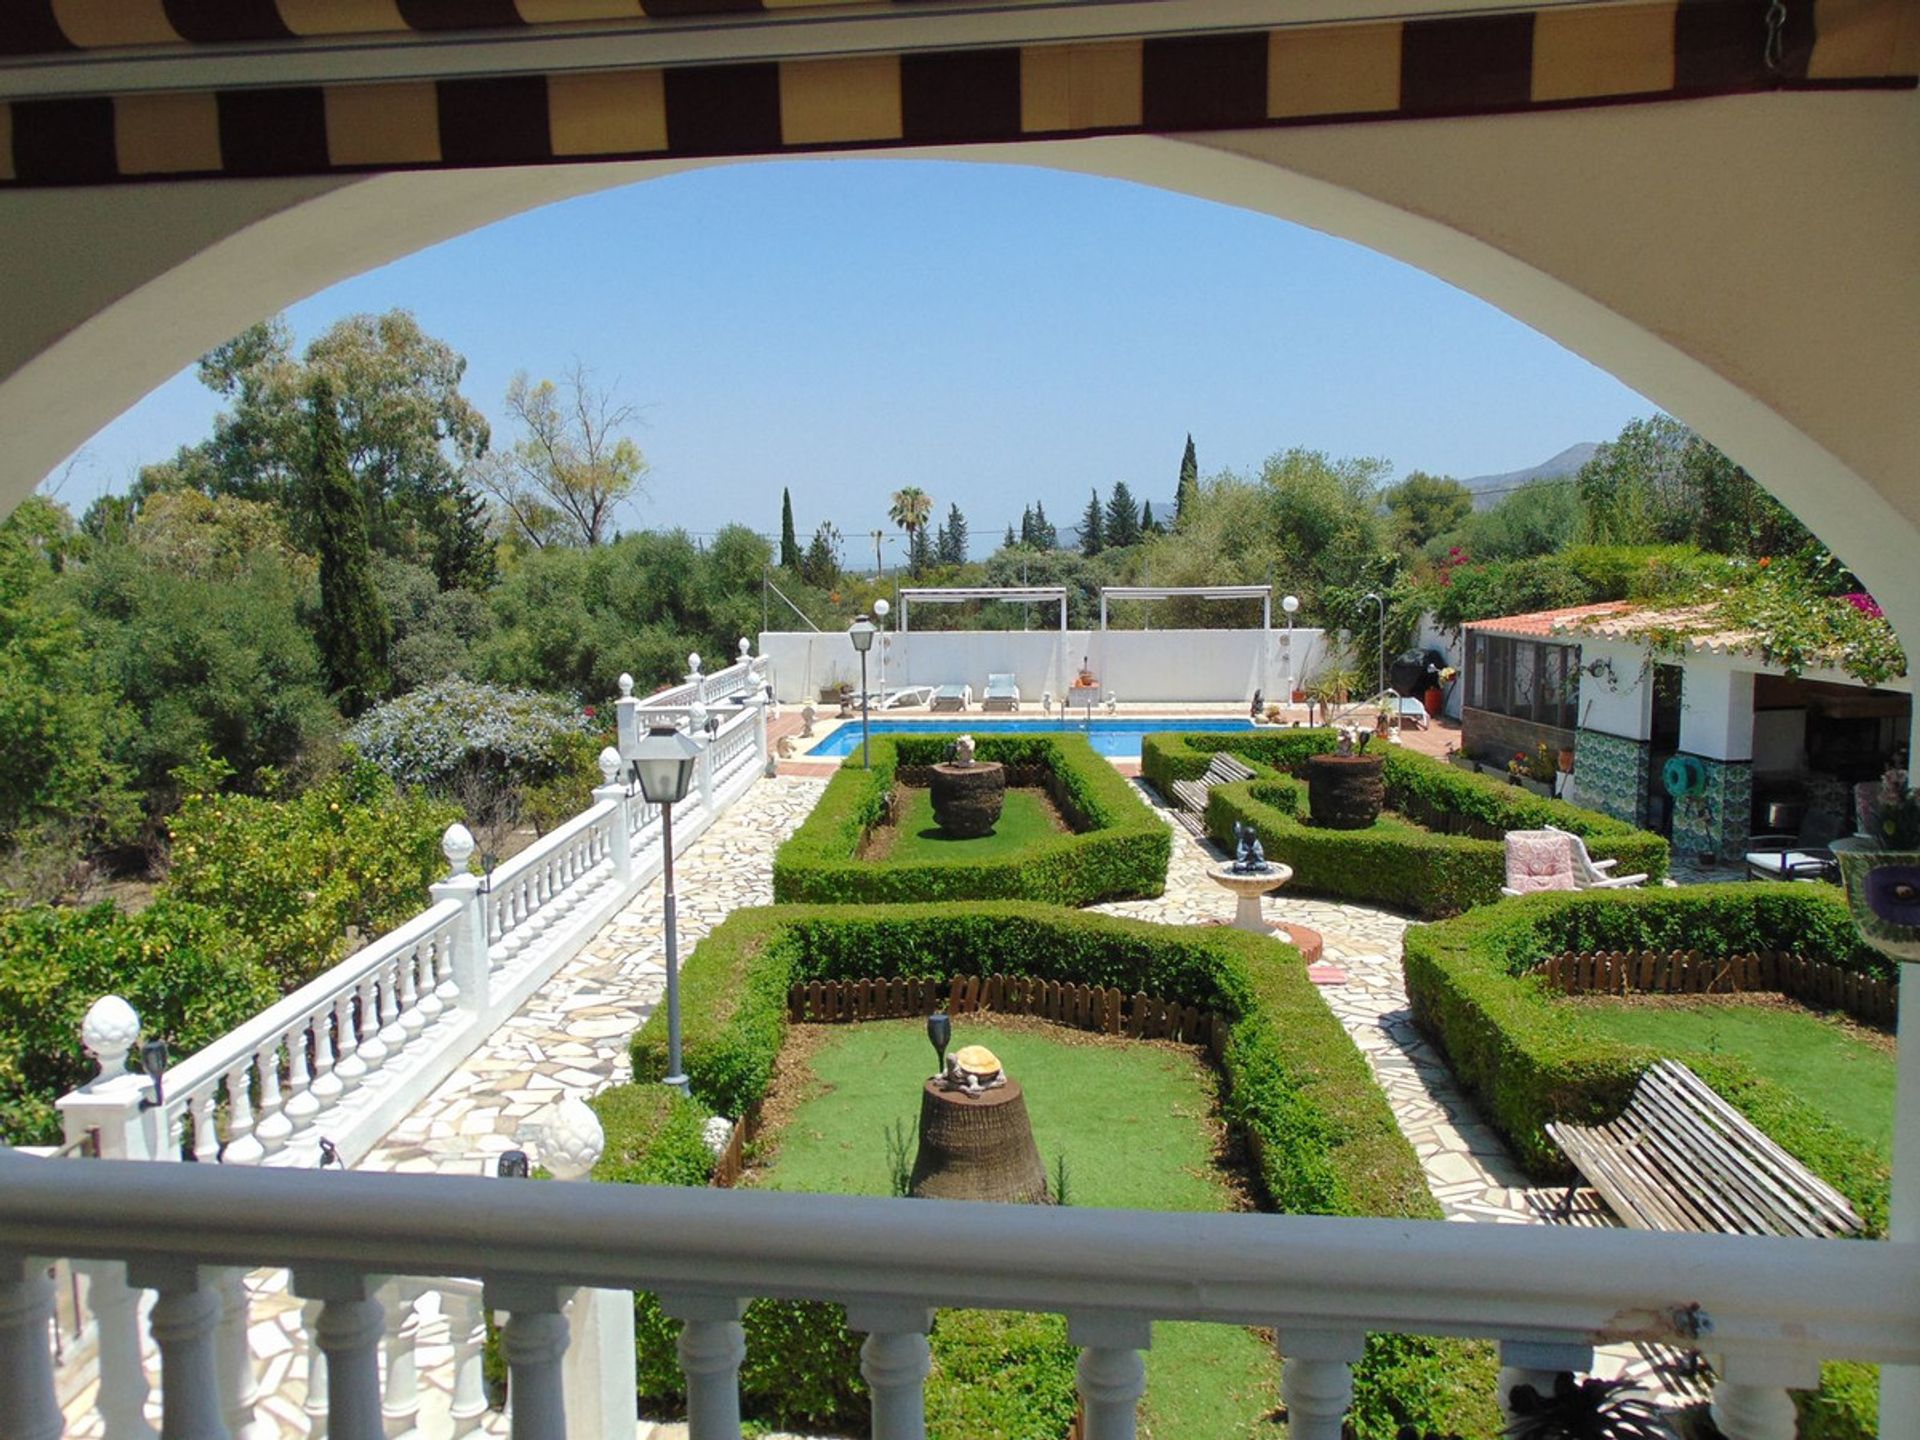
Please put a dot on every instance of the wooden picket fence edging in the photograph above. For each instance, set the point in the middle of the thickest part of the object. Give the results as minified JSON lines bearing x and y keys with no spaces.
{"x":1083,"y":1007}
{"x":1687,"y":972}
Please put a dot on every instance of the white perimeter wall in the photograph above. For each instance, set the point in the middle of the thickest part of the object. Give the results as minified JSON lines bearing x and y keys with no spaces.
{"x":1136,"y":666}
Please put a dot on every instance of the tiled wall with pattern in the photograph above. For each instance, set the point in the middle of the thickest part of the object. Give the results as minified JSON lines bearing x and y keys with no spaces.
{"x":1715,"y":822}
{"x":1610,"y":774}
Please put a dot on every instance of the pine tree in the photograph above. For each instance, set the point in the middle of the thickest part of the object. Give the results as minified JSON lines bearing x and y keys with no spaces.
{"x":1011,"y":541}
{"x":354,"y":633}
{"x":920,"y":552}
{"x":464,"y":555}
{"x":953,"y":538}
{"x":1123,"y":521}
{"x":1148,"y":525}
{"x":1189,"y":489}
{"x":1093,"y":537}
{"x":789,"y":542}
{"x":1026,"y":527}
{"x":1045,"y":537}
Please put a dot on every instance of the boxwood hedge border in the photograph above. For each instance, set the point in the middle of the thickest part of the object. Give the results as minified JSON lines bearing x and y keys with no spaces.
{"x":1327,"y":1139}
{"x":1456,"y":861}
{"x":1120,"y":850}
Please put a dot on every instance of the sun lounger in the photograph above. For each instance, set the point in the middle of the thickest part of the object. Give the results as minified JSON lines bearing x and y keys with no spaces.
{"x":902,"y":697}
{"x":1002,"y":693}
{"x":952,"y":697}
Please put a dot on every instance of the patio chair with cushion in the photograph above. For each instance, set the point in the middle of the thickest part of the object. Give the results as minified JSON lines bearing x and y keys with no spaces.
{"x":1538,"y":860}
{"x":1591,"y":874}
{"x":1001,"y":693}
{"x":952,"y":697}
{"x":1787,"y":857}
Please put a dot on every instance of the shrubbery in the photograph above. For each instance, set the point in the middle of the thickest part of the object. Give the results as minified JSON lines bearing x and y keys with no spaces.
{"x":289,"y":876}
{"x":1327,"y":1139}
{"x":1121,"y":851}
{"x":1455,"y":862}
{"x":430,"y":737}
{"x":190,"y":978}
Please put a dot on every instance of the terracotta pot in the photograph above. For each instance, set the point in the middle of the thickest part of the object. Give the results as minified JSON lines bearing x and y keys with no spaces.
{"x":1435,"y":700}
{"x":1299,"y":697}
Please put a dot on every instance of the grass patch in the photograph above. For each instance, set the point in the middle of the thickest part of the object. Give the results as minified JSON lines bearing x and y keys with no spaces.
{"x":1026,"y":818}
{"x":1824,"y":1061}
{"x":1139,"y":1126}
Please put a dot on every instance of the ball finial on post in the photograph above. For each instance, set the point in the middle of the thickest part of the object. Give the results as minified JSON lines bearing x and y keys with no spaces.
{"x":609,"y":763}
{"x":457,"y":846}
{"x":109,"y":1030}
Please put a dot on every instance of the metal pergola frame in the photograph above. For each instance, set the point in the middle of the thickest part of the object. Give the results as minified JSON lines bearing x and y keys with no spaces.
{"x":954,"y":594}
{"x":1262,"y":593}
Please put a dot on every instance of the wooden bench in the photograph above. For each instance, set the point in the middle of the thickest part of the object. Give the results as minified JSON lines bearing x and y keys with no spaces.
{"x":1191,"y":811}
{"x":1682,"y":1158}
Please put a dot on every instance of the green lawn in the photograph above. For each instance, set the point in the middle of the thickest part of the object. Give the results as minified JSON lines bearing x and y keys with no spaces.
{"x":1820,"y":1060}
{"x":1026,"y":817}
{"x":1133,"y":1122}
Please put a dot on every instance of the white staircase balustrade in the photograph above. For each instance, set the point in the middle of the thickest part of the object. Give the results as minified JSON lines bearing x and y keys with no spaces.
{"x":1771,"y":1309}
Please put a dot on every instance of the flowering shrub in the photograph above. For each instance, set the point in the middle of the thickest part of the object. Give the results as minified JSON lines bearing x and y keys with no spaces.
{"x":427,"y":739}
{"x":291,"y":875}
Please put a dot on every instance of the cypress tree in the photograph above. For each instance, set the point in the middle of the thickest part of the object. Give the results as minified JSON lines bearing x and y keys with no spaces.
{"x":1123,"y":521}
{"x":1045,"y":537}
{"x":463,"y":547}
{"x":1026,"y":527}
{"x":1189,"y":489}
{"x":789,"y":542}
{"x":953,"y":538}
{"x":1148,"y":525}
{"x":354,"y":633}
{"x":1011,"y":541}
{"x":1092,"y":533}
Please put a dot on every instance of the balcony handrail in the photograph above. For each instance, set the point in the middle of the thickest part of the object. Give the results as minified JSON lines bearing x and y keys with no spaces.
{"x":551,"y":843}
{"x":1759,"y":1296}
{"x":217,"y":1057}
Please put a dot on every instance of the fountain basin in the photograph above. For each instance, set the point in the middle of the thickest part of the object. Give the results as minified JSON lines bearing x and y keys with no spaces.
{"x":1247,"y":888}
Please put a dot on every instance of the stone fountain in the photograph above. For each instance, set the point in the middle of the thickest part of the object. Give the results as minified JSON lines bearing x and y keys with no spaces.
{"x":1249,"y":875}
{"x":967,"y":793}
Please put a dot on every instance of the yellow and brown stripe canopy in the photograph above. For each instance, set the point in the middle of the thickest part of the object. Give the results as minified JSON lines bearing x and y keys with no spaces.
{"x":1473,"y":64}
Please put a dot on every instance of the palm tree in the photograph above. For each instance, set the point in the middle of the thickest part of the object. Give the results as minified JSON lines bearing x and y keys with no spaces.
{"x":911,"y":509}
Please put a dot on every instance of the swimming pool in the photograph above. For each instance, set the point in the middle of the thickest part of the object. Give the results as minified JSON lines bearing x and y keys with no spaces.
{"x":1109,"y":737}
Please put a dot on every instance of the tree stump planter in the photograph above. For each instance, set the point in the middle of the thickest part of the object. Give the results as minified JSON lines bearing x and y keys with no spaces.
{"x":967,"y":798}
{"x":977,"y":1147}
{"x":1345,"y":792}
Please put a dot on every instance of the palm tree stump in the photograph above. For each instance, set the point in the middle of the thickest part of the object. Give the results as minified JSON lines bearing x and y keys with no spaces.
{"x":967,"y":798}
{"x":1345,"y":792}
{"x":977,"y":1147}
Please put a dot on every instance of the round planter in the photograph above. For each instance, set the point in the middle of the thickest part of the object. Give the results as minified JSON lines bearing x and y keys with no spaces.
{"x":967,"y":798}
{"x":1883,"y":892}
{"x":977,"y":1147}
{"x":1345,"y":792}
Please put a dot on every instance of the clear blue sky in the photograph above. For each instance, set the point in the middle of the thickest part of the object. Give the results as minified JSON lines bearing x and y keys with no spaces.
{"x":993,"y":334}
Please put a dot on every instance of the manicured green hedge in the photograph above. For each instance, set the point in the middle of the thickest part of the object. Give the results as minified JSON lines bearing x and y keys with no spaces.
{"x":1453,"y":861}
{"x":1120,"y":853}
{"x":1328,"y":1140}
{"x":1528,"y":1058}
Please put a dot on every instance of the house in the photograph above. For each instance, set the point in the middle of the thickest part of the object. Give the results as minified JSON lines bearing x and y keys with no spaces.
{"x":1736,"y":243}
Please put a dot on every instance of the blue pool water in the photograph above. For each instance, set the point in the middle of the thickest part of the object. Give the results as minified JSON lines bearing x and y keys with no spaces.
{"x":1109,"y":737}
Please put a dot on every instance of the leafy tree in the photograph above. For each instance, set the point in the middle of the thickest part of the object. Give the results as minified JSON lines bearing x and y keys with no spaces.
{"x":572,"y":467}
{"x":407,"y":429}
{"x":1536,"y":519}
{"x":1092,"y":528}
{"x":953,"y":538}
{"x":354,"y":634}
{"x":434,"y":630}
{"x":789,"y":542}
{"x":820,"y":566}
{"x":1188,"y":489}
{"x":910,"y":510}
{"x":1123,"y":518}
{"x":1426,"y":506}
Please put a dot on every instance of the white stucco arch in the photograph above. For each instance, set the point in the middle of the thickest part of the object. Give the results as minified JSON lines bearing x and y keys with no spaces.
{"x":1748,"y":263}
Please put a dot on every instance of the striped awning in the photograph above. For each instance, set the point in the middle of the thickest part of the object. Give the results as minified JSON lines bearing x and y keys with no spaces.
{"x":1473,"y":64}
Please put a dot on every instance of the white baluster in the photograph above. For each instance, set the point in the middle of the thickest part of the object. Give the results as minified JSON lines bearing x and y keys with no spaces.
{"x":412,"y":1019}
{"x":393,"y":1034}
{"x":1750,"y":1399}
{"x":1111,"y":1372}
{"x":1535,"y":1363}
{"x":273,"y":1127}
{"x":26,"y":1354}
{"x":1316,"y":1380}
{"x":206,"y":1133}
{"x":242,"y":1148}
{"x":302,"y":1103}
{"x":348,"y":1334}
{"x":434,"y":971}
{"x":712,"y":1345}
{"x":400,"y":1405}
{"x":373,"y":1050}
{"x":348,"y":1069}
{"x":894,"y":1359}
{"x":239,"y":1386}
{"x":122,"y":1401}
{"x":315,"y":1405}
{"x":467,"y":1325}
{"x":534,"y":1341}
{"x":185,"y":1322}
{"x":446,"y":981}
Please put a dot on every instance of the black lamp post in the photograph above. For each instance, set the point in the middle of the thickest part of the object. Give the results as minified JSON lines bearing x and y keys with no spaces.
{"x":940,"y":1032}
{"x":861,"y":632}
{"x":663,"y":765}
{"x":1382,"y":604}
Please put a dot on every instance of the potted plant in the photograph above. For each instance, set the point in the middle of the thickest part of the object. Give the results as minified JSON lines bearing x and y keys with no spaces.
{"x":1881,"y":869}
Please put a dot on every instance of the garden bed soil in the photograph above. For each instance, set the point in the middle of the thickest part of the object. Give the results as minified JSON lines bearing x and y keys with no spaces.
{"x":912,"y":834}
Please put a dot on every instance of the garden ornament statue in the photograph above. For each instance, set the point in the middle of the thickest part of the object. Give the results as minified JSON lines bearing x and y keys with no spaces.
{"x":974,"y":1069}
{"x":1259,"y":705}
{"x":962,"y":752}
{"x":807,"y":716}
{"x":1249,"y":858}
{"x":1881,"y":869}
